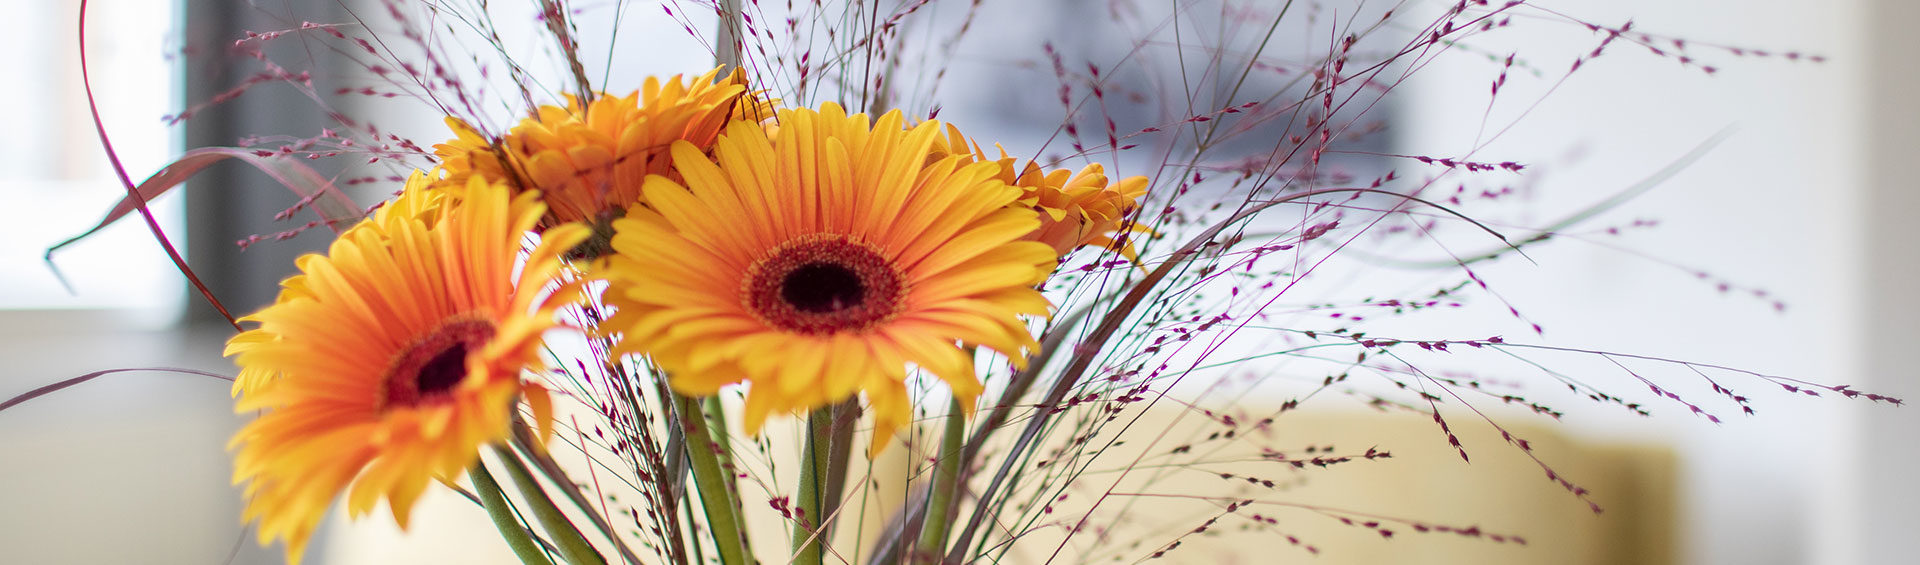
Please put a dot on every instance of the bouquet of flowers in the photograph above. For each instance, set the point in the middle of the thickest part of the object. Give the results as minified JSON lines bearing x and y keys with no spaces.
{"x":588,"y":295}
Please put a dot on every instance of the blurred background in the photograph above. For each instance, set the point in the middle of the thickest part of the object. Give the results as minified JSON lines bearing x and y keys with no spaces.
{"x":1809,"y":198}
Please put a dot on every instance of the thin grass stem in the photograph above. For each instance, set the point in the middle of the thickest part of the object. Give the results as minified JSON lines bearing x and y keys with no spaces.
{"x":573,"y":546}
{"x":523,"y":439}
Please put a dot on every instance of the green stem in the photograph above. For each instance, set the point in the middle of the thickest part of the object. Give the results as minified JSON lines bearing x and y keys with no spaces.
{"x":716,"y":416}
{"x":808,"y":535}
{"x":522,"y":439}
{"x":845,"y":414}
{"x":573,"y":546}
{"x":726,"y":51}
{"x":496,"y":504}
{"x":717,"y":426}
{"x":711,"y":480}
{"x":945,"y":487}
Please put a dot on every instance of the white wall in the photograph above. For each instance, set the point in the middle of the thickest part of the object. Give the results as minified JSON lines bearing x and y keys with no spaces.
{"x":1808,"y":199}
{"x":1769,"y":208}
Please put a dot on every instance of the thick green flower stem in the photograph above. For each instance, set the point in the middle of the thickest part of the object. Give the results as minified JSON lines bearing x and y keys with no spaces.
{"x":845,"y":415}
{"x":945,"y":487}
{"x":717,"y":426}
{"x":544,"y":463}
{"x":726,"y":42}
{"x":712,"y":480}
{"x":809,"y":535}
{"x":565,"y":535}
{"x":723,"y":441}
{"x":503,"y":519}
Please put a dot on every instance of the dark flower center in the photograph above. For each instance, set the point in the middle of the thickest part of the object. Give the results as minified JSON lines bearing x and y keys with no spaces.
{"x":428,"y":370}
{"x":443,"y":371}
{"x":822,"y":287}
{"x":823,"y":284}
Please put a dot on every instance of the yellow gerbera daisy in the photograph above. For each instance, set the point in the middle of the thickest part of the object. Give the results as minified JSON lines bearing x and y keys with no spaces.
{"x":822,"y":260}
{"x":1077,"y":209}
{"x":589,"y":161}
{"x":1081,"y":209}
{"x":391,"y":359}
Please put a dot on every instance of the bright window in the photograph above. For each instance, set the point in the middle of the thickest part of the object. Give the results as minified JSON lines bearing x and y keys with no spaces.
{"x":54,"y":178}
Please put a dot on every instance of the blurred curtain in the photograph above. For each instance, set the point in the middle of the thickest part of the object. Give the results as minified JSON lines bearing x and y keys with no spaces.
{"x":231,"y":201}
{"x":1877,"y":520}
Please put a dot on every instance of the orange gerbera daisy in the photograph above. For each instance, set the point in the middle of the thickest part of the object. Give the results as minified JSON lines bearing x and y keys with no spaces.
{"x":820,"y":261}
{"x":589,"y":161}
{"x":391,"y":359}
{"x":1077,"y":209}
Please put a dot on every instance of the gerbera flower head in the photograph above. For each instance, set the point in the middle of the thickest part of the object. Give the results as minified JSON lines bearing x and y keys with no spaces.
{"x":1083,"y":208}
{"x":589,"y":160}
{"x":819,"y":261}
{"x":392,"y":358}
{"x":1077,"y":208}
